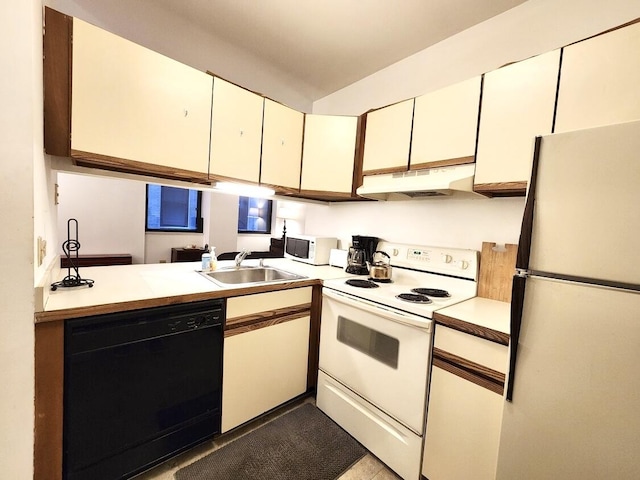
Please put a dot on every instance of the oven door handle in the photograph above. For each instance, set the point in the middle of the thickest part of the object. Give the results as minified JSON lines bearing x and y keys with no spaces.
{"x":377,"y":309}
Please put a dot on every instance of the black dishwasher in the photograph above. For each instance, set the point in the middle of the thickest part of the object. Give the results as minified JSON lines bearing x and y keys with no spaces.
{"x":139,"y":387}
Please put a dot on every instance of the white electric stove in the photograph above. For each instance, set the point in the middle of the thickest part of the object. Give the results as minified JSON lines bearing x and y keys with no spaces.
{"x":375,"y":348}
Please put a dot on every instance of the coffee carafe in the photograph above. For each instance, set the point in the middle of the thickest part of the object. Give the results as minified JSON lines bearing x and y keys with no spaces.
{"x":360,"y":253}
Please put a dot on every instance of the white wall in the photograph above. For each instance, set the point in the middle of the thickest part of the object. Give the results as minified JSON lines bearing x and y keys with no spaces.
{"x":446,"y":222}
{"x":223,"y":227}
{"x":110,"y":214}
{"x":531,"y":28}
{"x":23,"y":216}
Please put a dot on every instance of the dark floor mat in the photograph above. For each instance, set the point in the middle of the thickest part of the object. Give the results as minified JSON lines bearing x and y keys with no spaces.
{"x":303,"y":444}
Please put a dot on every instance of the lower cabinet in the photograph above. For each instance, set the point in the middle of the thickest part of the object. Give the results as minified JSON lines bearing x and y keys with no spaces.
{"x":266,"y":353}
{"x":465,"y":407}
{"x":463,"y":429}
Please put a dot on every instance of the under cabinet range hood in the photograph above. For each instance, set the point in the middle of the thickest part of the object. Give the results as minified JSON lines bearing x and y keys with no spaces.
{"x":416,"y":184}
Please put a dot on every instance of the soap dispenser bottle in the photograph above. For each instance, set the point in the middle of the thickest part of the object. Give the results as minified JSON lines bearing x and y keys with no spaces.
{"x":213,"y":260}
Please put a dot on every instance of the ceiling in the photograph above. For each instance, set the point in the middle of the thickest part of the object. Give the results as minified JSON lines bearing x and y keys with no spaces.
{"x":330,"y":44}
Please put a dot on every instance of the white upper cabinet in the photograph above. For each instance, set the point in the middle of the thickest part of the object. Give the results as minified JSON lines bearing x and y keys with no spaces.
{"x":518,"y":103}
{"x":445,"y":124}
{"x":130,"y":103}
{"x":236,"y":132}
{"x":281,"y":146}
{"x":328,"y":153}
{"x":600,"y":81}
{"x":388,"y":138}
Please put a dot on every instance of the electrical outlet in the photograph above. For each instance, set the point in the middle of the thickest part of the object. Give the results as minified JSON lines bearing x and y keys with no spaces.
{"x":42,"y":250}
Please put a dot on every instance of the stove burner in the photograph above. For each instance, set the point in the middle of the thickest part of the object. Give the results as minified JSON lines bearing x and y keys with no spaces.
{"x":380,"y":280}
{"x":414,"y":298}
{"x":361,"y":283}
{"x":431,"y":292}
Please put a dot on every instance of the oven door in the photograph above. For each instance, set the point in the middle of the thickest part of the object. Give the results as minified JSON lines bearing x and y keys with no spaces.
{"x":372,"y":351}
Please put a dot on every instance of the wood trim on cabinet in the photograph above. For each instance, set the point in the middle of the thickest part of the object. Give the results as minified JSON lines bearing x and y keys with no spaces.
{"x":77,"y":312}
{"x":280,"y":190}
{"x":384,"y":171}
{"x":325,"y":196}
{"x":472,"y":329}
{"x":613,"y":29}
{"x":443,"y":163}
{"x":473,"y":372}
{"x":253,"y":321}
{"x":359,"y":155}
{"x":106,"y":162}
{"x":501,"y":189}
{"x":49,"y":379}
{"x":314,"y":337}
{"x":57,"y":50}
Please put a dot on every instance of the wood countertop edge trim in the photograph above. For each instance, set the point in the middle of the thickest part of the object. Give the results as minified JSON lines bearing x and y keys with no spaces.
{"x":471,"y":371}
{"x":77,"y":312}
{"x":472,"y":329}
{"x":253,"y":323}
{"x":252,"y":318}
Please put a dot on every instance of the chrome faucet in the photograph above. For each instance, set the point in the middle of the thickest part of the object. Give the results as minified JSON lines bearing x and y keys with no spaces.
{"x":241,"y":256}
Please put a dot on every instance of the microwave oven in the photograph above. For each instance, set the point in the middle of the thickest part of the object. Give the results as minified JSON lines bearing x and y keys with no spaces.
{"x":309,"y":249}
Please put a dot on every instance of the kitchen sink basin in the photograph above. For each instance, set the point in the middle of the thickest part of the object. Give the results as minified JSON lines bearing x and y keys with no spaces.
{"x":250,"y":275}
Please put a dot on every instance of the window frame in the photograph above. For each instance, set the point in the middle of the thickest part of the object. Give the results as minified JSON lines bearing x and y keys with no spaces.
{"x":199,"y":228}
{"x":267,"y":218}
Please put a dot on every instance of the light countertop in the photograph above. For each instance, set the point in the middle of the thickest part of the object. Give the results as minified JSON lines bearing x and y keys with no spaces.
{"x":122,"y":287}
{"x":487,"y":314}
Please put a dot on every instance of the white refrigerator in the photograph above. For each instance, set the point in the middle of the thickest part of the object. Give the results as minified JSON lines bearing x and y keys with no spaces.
{"x":573,"y":408}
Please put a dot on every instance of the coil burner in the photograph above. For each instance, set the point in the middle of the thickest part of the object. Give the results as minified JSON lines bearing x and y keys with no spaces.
{"x":414,"y":298}
{"x":431,"y":292}
{"x":361,"y":283}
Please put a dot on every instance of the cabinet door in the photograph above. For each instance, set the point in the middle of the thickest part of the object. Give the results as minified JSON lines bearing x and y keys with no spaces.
{"x":281,"y":145}
{"x":388,"y":138}
{"x":517,"y":104}
{"x":445,"y":124}
{"x":266,"y":353}
{"x":263,"y":368}
{"x":328,"y":153}
{"x":236,"y":132}
{"x":131,"y":103}
{"x":599,"y":81}
{"x":463,"y":429}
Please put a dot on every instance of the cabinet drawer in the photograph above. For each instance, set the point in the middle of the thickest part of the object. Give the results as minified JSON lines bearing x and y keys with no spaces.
{"x":267,"y":302}
{"x":478,"y":350}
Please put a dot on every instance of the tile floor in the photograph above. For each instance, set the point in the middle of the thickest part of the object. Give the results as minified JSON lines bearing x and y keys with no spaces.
{"x":367,"y":468}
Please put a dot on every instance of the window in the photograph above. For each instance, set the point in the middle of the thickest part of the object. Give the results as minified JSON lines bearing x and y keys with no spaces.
{"x":172,"y":209}
{"x":254,"y":215}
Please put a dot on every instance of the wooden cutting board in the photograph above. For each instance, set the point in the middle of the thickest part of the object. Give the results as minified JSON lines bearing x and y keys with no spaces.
{"x":497,"y":266}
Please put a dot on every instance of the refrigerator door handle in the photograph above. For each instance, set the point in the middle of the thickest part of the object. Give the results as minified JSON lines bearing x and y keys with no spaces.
{"x":526,"y":229}
{"x":517,"y":304}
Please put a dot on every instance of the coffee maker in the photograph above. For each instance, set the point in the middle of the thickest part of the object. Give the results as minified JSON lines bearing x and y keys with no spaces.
{"x":360,"y":253}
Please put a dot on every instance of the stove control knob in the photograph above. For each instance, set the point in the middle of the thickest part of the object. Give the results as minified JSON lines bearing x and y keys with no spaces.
{"x":447,"y":258}
{"x":464,"y":265}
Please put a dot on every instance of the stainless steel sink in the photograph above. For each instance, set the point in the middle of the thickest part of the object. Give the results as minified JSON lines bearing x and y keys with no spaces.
{"x":250,"y":275}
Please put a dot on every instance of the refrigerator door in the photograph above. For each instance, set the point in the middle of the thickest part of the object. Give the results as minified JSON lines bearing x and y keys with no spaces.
{"x":576,"y":399}
{"x":586,"y":215}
